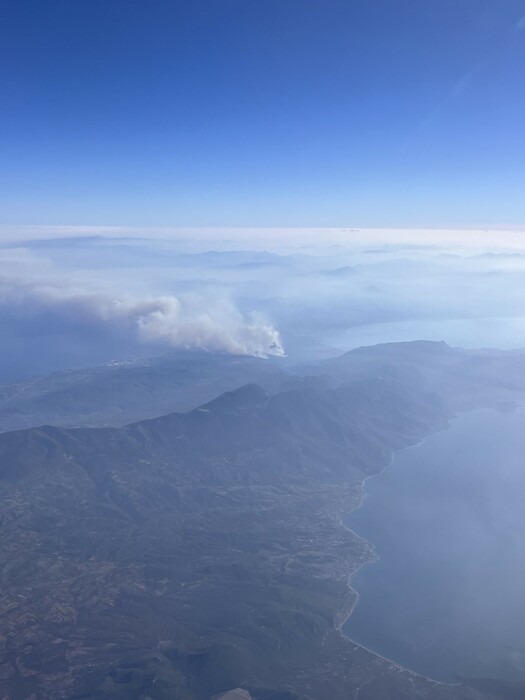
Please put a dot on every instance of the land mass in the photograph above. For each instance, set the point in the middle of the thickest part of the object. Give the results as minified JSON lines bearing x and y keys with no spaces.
{"x":202,"y":552}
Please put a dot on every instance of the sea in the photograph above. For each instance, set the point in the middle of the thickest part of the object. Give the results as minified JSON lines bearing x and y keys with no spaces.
{"x":446,"y":595}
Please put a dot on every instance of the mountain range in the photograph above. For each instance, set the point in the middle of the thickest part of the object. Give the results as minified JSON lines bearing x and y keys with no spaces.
{"x":191,"y":554}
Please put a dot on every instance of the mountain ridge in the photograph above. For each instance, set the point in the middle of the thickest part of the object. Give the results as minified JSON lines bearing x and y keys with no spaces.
{"x":198,"y":552}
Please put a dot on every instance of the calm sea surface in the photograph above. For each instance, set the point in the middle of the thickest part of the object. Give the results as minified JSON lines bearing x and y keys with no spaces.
{"x":447,"y":518}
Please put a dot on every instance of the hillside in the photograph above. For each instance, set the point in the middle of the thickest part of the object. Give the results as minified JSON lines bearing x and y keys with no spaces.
{"x":195,"y":553}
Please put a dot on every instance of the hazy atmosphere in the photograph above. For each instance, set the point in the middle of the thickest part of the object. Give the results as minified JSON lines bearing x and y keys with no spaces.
{"x":262,"y":349}
{"x":71,"y":297}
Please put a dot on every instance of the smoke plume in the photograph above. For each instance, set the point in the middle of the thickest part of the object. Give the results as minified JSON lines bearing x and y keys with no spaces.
{"x":179,"y":322}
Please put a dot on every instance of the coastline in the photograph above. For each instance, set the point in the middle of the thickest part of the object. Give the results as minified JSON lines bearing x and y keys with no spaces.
{"x":375,"y":557}
{"x":516,"y":406}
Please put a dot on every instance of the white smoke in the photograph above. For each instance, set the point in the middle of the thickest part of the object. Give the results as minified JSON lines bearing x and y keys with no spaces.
{"x":179,"y":322}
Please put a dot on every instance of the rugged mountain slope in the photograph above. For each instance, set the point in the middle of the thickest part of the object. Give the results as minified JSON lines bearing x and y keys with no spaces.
{"x":463,"y":379}
{"x":183,"y":556}
{"x":118,"y":393}
{"x":194,"y":553}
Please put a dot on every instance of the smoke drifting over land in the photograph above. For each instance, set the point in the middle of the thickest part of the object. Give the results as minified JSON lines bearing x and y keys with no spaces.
{"x":191,"y":321}
{"x":74,"y":300}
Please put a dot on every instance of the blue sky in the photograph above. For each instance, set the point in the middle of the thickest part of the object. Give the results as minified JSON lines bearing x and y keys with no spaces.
{"x":262,"y":112}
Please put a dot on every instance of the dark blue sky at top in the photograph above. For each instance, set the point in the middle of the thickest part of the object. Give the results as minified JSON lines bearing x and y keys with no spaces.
{"x":262,"y":112}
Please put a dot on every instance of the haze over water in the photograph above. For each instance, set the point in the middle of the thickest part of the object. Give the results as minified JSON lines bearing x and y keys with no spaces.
{"x":445,"y":597}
